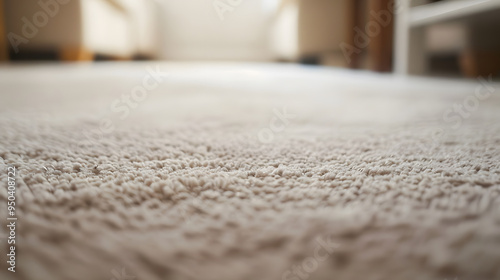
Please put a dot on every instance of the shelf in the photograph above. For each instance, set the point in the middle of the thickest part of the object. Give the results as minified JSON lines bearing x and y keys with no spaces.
{"x":450,"y":10}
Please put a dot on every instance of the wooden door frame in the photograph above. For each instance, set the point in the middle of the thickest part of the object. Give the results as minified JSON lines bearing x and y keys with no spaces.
{"x":4,"y":53}
{"x":381,"y":46}
{"x":355,"y":19}
{"x":378,"y":54}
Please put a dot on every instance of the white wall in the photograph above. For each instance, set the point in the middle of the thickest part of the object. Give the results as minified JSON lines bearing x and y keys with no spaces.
{"x":192,"y":30}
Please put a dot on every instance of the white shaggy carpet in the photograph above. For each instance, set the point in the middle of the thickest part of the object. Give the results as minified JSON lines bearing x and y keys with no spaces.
{"x":201,"y":179}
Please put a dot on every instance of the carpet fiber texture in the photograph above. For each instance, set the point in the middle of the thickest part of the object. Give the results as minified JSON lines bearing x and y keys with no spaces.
{"x":249,"y":172}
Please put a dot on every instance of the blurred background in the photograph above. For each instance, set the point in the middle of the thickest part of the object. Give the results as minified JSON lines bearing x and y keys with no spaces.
{"x":451,"y":38}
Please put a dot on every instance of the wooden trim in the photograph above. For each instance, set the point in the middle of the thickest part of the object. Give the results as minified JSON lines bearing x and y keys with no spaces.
{"x":112,"y":57}
{"x":4,"y":51}
{"x":71,"y":54}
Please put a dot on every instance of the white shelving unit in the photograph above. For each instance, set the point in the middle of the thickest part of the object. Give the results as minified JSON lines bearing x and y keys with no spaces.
{"x":414,"y":16}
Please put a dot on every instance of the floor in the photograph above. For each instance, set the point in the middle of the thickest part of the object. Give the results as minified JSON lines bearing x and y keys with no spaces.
{"x":249,"y":171}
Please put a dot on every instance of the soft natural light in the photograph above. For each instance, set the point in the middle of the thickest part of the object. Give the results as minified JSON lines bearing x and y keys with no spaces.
{"x":270,"y":6}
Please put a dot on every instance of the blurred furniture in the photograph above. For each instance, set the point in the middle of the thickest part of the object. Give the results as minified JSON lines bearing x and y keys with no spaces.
{"x":3,"y":39}
{"x":480,"y":63}
{"x":327,"y":31}
{"x":78,"y":30}
{"x":305,"y":29}
{"x":380,"y":48}
{"x":371,"y":34}
{"x":466,"y":27}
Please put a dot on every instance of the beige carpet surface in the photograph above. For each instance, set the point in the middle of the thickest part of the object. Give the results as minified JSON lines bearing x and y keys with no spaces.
{"x":248,"y":171}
